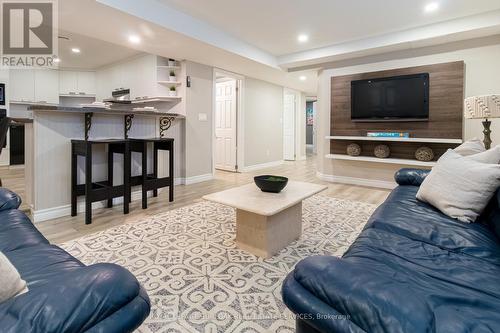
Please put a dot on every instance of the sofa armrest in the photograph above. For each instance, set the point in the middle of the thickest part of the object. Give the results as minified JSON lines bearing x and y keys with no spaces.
{"x":8,"y":199}
{"x":408,"y":176}
{"x":78,"y":301}
{"x":308,"y":308}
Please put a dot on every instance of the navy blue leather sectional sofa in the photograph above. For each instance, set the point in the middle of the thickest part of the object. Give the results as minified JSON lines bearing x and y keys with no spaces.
{"x":412,"y":269}
{"x":64,"y":295}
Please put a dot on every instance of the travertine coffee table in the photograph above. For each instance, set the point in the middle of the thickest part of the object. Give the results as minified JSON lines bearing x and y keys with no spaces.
{"x":266,"y":222}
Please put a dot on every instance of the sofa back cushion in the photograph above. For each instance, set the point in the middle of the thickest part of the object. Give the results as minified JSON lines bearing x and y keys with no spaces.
{"x":470,"y":147}
{"x":491,"y":215}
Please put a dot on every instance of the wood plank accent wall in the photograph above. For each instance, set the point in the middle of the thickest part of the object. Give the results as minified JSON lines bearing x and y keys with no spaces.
{"x":446,"y":93}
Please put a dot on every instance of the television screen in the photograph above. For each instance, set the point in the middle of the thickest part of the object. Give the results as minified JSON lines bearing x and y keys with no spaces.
{"x":399,"y":98}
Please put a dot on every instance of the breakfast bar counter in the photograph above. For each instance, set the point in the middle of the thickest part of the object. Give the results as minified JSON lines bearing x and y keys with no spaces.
{"x":48,"y":151}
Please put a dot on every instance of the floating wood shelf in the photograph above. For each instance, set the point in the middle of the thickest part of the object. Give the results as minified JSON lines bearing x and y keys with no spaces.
{"x":170,"y":83}
{"x":31,"y":103}
{"x":157,"y":99}
{"x":370,"y":138}
{"x":400,"y":161}
{"x":78,"y":95}
{"x":169,"y":67}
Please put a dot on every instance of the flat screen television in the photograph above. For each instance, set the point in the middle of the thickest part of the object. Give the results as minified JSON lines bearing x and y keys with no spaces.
{"x":398,"y":98}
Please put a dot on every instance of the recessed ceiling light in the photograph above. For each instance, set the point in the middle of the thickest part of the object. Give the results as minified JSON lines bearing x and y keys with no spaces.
{"x":75,"y":50}
{"x":302,"y":38}
{"x":431,"y":7}
{"x":302,"y":78}
{"x":134,"y":39}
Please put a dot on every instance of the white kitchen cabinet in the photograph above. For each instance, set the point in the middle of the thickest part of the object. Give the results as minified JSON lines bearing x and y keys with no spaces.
{"x":141,"y":75}
{"x":86,"y":83}
{"x":46,"y":86}
{"x":144,"y":73}
{"x":34,"y":86}
{"x":22,"y":85}
{"x":68,"y":83}
{"x":116,"y":77}
{"x":77,"y":83}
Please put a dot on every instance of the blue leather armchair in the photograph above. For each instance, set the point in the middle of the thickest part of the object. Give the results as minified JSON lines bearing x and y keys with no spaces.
{"x":412,"y":269}
{"x":64,"y":295}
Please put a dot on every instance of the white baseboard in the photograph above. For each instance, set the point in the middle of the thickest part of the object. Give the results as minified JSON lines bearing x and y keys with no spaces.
{"x":196,"y":179}
{"x":357,"y":181}
{"x":61,"y":211}
{"x":16,"y":167}
{"x":262,"y":166}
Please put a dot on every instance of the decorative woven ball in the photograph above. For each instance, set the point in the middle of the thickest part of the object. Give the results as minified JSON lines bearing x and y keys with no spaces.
{"x":382,"y":151}
{"x":353,"y":149}
{"x":424,"y":154}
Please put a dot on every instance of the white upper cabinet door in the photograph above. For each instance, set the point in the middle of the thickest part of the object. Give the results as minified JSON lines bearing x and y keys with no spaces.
{"x":22,"y":85}
{"x":103,"y":84}
{"x":115,"y":78}
{"x":145,"y":77}
{"x":86,"y":83}
{"x":47,"y":86}
{"x":68,"y":83}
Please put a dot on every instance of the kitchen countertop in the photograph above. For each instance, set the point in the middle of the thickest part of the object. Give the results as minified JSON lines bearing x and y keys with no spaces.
{"x":114,"y":111}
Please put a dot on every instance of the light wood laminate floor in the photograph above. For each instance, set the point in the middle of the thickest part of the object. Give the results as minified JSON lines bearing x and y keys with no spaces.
{"x":67,"y":228}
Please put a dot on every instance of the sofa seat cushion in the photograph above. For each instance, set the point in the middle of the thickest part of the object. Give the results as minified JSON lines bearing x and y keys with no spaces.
{"x":39,"y":265}
{"x":403,"y":214}
{"x":17,"y":231}
{"x":391,"y":283}
{"x":78,"y":300}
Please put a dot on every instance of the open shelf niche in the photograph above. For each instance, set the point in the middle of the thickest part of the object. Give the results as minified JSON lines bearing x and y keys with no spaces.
{"x":163,"y":68}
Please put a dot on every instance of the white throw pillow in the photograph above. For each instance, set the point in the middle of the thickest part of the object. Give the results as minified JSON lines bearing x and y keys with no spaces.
{"x":491,"y":156}
{"x":460,"y":187}
{"x":11,"y":284}
{"x":470,"y":147}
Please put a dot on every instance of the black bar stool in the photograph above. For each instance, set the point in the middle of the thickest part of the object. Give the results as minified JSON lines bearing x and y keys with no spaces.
{"x":151,"y":182}
{"x":104,"y":190}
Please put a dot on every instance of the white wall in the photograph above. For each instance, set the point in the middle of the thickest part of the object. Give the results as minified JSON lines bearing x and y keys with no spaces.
{"x":199,"y":100}
{"x":263,"y":108}
{"x":482,"y":61}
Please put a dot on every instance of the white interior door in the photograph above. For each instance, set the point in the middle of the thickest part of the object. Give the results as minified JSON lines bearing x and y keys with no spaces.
{"x":225,"y":125}
{"x":289,"y":128}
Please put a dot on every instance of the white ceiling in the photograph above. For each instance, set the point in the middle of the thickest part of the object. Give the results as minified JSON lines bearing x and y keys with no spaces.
{"x":96,"y":20}
{"x":273,"y":25}
{"x":94,"y":53}
{"x":257,"y":38}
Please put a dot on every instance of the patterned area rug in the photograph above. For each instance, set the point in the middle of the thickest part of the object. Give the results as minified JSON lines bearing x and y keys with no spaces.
{"x":197,"y":279}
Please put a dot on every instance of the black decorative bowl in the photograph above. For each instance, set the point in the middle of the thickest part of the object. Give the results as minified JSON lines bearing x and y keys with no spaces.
{"x":272,"y":184}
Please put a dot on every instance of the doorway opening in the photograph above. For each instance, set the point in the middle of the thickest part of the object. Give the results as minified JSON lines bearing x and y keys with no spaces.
{"x":311,"y":139}
{"x":227,"y":120}
{"x":294,"y":125}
